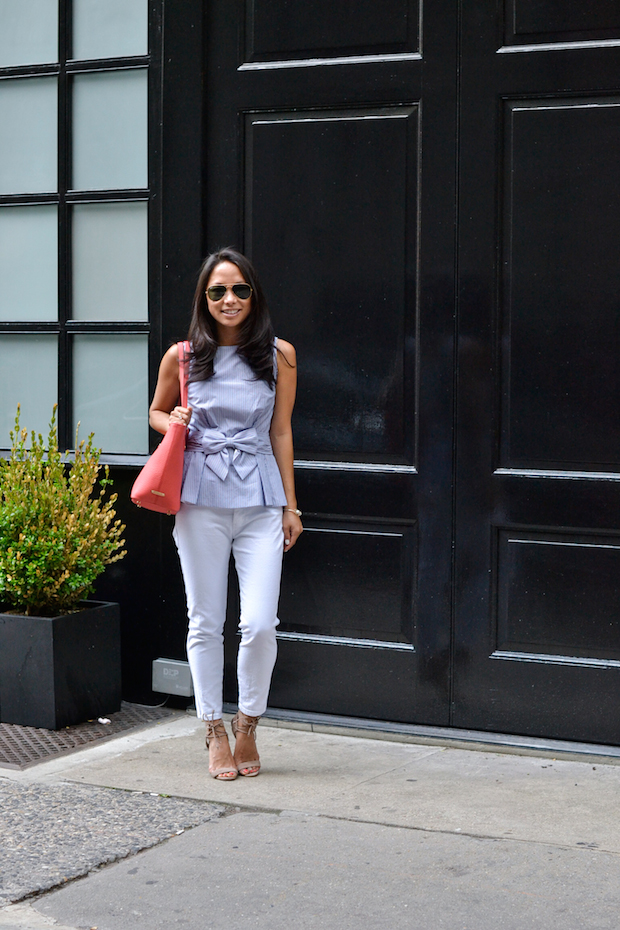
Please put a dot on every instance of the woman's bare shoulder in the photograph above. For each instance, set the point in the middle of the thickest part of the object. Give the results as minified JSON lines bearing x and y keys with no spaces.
{"x":169,"y":366}
{"x":288,"y":352}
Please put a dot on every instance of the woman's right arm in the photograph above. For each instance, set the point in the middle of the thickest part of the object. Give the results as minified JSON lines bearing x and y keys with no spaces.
{"x":164,"y":407}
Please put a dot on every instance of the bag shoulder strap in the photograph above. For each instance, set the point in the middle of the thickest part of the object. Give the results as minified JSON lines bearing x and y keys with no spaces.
{"x":184,"y":350}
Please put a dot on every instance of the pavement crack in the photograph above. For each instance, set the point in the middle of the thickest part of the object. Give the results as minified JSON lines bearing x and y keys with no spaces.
{"x":575,"y":847}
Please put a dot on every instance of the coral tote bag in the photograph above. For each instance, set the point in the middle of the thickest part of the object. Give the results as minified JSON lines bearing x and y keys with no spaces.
{"x":158,"y":486}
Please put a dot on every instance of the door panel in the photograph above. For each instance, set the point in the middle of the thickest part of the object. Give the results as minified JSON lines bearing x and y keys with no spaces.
{"x":545,"y":583}
{"x":529,"y":21}
{"x":561,"y":333}
{"x":298,"y":29}
{"x":320,"y":165}
{"x":339,"y":247}
{"x":537,"y":493}
{"x":328,"y":593}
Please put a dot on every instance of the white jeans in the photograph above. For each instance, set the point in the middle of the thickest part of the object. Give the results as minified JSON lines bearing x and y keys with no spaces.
{"x":205,"y":537}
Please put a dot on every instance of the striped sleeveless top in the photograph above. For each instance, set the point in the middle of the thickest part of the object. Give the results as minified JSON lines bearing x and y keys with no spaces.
{"x":229,"y":461}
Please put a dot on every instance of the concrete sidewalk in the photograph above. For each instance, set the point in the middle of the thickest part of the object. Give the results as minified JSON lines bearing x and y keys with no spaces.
{"x":337,"y":831}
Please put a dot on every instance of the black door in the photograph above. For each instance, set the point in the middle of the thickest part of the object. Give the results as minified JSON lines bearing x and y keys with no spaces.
{"x":330,"y":133}
{"x":332,"y":153}
{"x":538,"y":492}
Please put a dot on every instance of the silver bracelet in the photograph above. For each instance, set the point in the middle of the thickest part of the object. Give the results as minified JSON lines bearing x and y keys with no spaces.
{"x":290,"y":510}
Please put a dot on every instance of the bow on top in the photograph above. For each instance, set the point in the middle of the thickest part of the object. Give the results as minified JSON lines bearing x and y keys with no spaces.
{"x":225,"y":452}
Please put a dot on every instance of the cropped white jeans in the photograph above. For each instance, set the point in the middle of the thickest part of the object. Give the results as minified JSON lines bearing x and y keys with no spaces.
{"x":205,"y":537}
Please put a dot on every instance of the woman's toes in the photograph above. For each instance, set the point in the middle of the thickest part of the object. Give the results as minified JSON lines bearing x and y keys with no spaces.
{"x":252,"y":770}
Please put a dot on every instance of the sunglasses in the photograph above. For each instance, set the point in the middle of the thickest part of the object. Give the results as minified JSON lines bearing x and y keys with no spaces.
{"x":217,"y":291}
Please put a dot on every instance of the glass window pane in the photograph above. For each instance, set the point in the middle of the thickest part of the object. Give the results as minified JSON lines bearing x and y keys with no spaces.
{"x":29,"y":263}
{"x":110,"y":261}
{"x":29,"y":33}
{"x":110,"y":29}
{"x":29,"y":377}
{"x":110,"y":391}
{"x":110,"y":130}
{"x":28,"y":135}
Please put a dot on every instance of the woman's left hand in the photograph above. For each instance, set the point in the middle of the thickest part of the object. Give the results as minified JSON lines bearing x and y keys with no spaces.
{"x":292,"y":528}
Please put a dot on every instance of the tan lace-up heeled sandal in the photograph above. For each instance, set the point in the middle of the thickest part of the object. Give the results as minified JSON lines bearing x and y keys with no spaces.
{"x":216,"y":733}
{"x":241,"y":723}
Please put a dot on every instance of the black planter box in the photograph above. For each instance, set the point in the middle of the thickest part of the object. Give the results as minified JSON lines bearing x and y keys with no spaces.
{"x":58,"y":671}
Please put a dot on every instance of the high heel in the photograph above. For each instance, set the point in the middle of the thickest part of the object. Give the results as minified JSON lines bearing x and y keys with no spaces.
{"x":216,"y":732}
{"x":245,"y":725}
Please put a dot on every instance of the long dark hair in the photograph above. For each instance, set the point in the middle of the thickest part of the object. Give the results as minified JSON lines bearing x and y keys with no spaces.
{"x":256,"y":334}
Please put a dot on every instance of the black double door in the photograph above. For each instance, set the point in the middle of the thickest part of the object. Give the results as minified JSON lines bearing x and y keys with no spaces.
{"x":430,"y":195}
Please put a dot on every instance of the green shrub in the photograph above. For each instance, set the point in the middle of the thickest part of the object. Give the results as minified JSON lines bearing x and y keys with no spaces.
{"x":57,"y":530}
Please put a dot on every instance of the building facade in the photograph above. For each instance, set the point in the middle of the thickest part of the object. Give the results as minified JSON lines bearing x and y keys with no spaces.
{"x":430,"y":193}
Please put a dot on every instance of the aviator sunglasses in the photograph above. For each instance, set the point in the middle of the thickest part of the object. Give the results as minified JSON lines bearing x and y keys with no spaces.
{"x":217,"y":291}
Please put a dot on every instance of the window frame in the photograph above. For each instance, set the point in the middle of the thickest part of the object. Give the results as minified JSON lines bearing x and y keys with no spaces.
{"x":65,"y":328}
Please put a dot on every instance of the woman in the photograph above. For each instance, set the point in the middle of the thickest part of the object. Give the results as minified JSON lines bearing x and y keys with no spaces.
{"x":238,"y":492}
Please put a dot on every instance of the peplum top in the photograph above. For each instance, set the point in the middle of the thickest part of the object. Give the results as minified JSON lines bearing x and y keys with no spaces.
{"x":229,"y":461}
